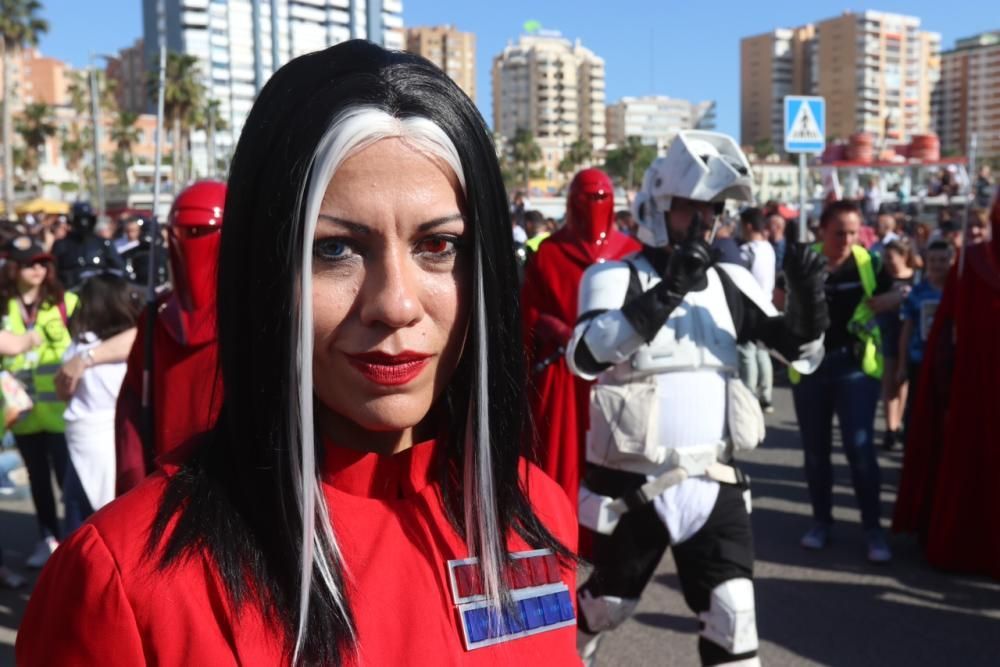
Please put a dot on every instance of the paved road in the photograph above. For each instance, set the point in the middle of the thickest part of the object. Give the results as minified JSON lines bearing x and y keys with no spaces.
{"x":828,"y":608}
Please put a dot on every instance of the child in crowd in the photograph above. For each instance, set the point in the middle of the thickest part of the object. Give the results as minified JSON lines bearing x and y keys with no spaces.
{"x":917,"y":316}
{"x":109,"y":305}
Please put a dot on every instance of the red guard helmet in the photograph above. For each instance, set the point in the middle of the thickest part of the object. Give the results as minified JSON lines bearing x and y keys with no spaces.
{"x":591,"y":206}
{"x":195,"y":222}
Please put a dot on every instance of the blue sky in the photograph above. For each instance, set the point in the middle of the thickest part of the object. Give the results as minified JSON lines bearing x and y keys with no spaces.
{"x":680,"y":49}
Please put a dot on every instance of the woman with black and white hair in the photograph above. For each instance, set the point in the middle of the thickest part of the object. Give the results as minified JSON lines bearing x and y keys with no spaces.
{"x":362,"y":497}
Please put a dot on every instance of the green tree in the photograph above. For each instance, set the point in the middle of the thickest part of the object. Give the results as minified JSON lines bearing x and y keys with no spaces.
{"x":208,"y":119}
{"x":124,"y":134}
{"x":580,"y":151}
{"x":763,"y":148}
{"x":20,"y":26}
{"x":36,"y":124}
{"x":629,"y":160}
{"x":525,"y":153}
{"x":183,"y":92}
{"x":72,"y":148}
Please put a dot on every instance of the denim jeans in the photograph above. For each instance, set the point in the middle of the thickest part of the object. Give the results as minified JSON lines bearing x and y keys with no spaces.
{"x":839,"y":387}
{"x":44,"y":454}
{"x":756,"y":370}
{"x":75,"y":500}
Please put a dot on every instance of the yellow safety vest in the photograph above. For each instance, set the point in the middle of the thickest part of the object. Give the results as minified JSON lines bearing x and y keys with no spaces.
{"x":862,"y":324}
{"x":37,"y":368}
{"x":536,"y":241}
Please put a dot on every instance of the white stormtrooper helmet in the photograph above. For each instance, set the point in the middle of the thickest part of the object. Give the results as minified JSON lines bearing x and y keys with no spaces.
{"x":701,"y":166}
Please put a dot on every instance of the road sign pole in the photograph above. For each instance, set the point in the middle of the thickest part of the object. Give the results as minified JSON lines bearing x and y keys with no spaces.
{"x":805,"y":132}
{"x":803,"y":227}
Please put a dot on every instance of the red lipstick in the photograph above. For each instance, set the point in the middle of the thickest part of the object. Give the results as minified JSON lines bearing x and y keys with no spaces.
{"x":389,"y":370}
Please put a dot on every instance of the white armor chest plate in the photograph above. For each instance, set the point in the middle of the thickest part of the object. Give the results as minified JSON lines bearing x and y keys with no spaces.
{"x":699,"y":335}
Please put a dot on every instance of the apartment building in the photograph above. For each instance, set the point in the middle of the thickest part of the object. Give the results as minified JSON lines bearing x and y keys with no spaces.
{"x":37,"y":78}
{"x":656,"y":119}
{"x":878,"y":72}
{"x":131,"y":75}
{"x":552,"y":87}
{"x":970,"y":95}
{"x":452,"y":50}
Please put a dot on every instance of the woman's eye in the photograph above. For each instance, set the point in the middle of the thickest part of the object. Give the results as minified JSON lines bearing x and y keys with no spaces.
{"x":438,"y":245}
{"x":333,"y":249}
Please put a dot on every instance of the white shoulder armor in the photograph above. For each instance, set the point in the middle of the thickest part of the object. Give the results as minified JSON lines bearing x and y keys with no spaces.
{"x":610,"y":338}
{"x":746,"y":283}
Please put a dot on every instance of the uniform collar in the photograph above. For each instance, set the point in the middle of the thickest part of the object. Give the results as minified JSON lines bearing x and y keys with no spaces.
{"x":380,"y":476}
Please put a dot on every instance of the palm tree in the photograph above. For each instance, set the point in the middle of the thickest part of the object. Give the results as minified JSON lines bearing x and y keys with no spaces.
{"x":525,"y":152}
{"x":20,"y":26}
{"x":36,"y":125}
{"x":73,"y":147}
{"x":208,"y":119}
{"x":124,"y":134}
{"x":183,"y":92}
{"x":580,"y":151}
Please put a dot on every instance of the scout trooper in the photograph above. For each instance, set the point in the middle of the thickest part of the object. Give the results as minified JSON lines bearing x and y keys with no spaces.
{"x":659,"y":332}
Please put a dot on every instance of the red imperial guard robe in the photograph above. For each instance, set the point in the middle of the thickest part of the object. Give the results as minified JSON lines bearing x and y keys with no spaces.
{"x":949,"y":490}
{"x":187,"y":393}
{"x":101,"y":601}
{"x":186,"y":389}
{"x":559,"y":400}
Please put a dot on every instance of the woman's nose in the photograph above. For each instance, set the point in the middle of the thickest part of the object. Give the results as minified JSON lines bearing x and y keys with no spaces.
{"x":391,"y":293}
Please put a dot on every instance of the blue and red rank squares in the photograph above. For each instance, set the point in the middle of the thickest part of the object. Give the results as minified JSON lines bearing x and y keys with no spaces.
{"x":541,"y":601}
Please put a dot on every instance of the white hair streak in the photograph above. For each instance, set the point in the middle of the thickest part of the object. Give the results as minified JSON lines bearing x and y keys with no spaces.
{"x":351,"y":131}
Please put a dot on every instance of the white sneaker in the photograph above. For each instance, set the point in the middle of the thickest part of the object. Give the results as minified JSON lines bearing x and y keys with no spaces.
{"x":10,"y":579}
{"x":43,"y":550}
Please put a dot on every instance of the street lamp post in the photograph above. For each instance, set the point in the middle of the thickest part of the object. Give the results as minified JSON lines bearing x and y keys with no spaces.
{"x":95,"y":117}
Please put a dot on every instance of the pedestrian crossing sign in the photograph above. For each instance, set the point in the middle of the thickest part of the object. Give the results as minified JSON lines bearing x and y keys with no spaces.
{"x":805,"y":124}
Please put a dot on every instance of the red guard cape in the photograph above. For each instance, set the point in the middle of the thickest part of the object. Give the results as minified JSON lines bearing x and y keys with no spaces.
{"x":950,"y":485}
{"x":186,"y":394}
{"x":559,"y":400}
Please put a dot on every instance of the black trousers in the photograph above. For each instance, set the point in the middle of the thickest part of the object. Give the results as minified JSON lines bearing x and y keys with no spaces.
{"x":44,"y":453}
{"x":625,"y":561}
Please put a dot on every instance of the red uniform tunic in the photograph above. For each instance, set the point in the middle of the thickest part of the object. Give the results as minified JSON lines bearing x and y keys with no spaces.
{"x":560,"y":400}
{"x":186,"y":397}
{"x":101,"y":601}
{"x":950,"y":485}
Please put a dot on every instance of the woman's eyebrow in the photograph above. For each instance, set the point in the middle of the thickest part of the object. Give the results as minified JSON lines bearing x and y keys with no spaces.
{"x":355,"y":227}
{"x":436,"y":222}
{"x":359,"y":228}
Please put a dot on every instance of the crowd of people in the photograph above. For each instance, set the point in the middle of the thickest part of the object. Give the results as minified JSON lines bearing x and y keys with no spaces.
{"x":72,"y":307}
{"x":338,"y":409}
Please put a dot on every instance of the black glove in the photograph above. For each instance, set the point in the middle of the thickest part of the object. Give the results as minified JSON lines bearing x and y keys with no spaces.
{"x":686,"y":271}
{"x":806,"y":311}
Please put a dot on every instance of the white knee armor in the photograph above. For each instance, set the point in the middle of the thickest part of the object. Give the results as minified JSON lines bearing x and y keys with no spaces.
{"x":731,"y":621}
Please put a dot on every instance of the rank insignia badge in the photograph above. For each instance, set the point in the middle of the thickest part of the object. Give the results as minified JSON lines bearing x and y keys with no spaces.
{"x":541,"y":601}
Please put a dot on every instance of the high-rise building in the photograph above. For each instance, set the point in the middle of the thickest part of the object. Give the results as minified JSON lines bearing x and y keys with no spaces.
{"x":656,"y":119}
{"x":240,"y":43}
{"x":772,"y":65}
{"x":450,"y":49}
{"x":553,"y":88}
{"x":877,"y":71}
{"x":970,"y":95}
{"x":131,"y":75}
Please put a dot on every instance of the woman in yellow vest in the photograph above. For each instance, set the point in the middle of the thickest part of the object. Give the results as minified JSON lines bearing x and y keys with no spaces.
{"x":848,"y":381}
{"x":35,"y":301}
